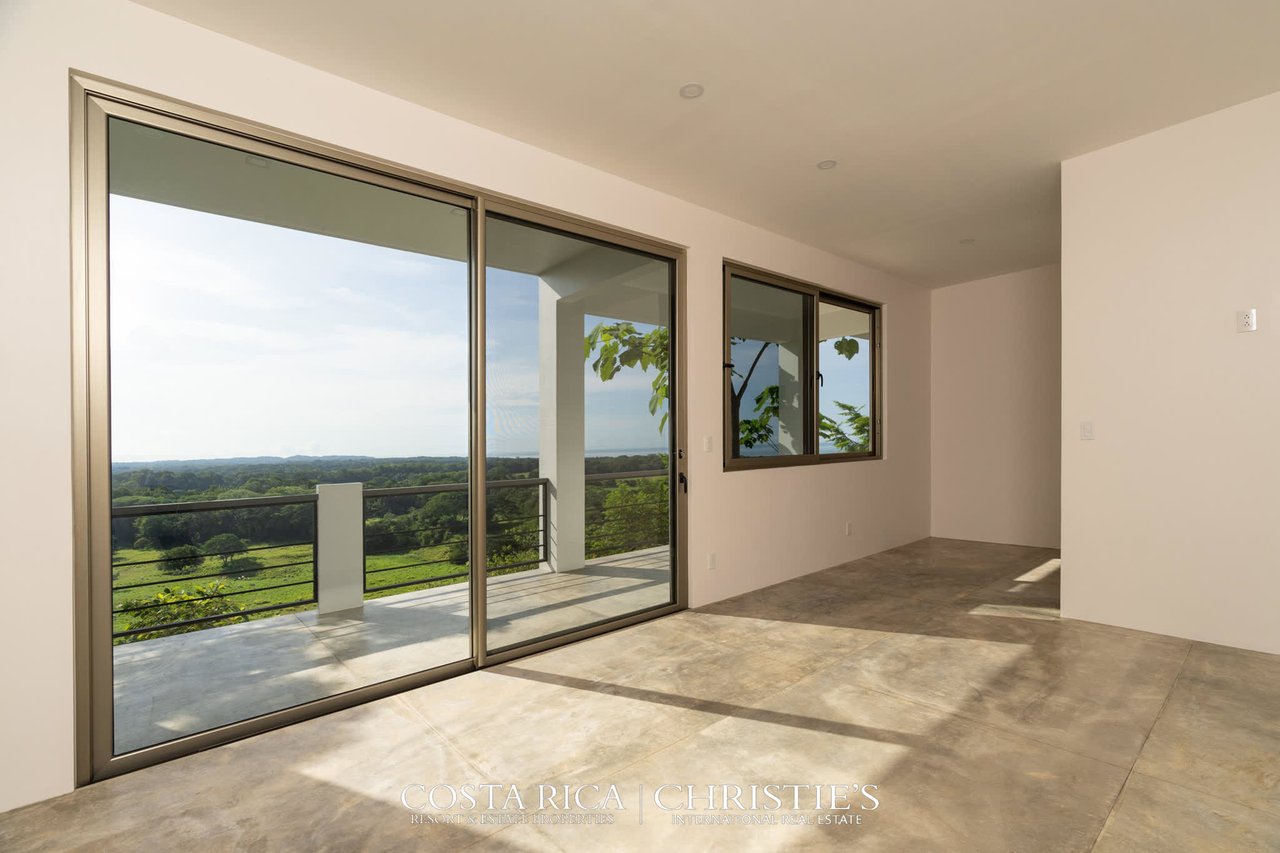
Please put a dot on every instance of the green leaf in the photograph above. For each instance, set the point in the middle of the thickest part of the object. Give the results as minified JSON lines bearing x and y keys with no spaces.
{"x":847,"y":347}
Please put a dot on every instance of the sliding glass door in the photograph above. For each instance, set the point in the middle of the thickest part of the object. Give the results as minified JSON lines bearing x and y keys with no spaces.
{"x":288,"y":432}
{"x":579,"y":432}
{"x":340,"y":433}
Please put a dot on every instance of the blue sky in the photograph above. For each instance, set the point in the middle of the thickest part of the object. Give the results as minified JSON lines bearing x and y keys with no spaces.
{"x":234,"y":338}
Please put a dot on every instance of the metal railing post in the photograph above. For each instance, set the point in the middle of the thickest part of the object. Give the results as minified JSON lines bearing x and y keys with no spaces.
{"x":544,"y":520}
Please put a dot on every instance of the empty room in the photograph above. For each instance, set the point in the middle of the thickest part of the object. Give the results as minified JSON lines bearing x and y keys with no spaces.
{"x":640,"y":425}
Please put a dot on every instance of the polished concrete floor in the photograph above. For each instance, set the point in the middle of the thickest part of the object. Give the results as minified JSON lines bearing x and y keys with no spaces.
{"x":938,"y":672}
{"x":173,"y":686}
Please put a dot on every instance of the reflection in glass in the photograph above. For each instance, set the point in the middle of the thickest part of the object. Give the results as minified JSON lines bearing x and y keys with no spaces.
{"x":578,"y":432}
{"x":273,"y":329}
{"x":767,"y":351}
{"x":844,"y":373}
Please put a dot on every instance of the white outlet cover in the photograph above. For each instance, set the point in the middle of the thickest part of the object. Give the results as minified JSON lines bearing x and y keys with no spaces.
{"x":1086,"y":430}
{"x":1247,"y":321}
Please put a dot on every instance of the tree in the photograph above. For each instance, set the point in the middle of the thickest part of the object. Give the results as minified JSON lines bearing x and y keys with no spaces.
{"x":635,"y":515}
{"x":165,"y":531}
{"x":858,"y":426}
{"x":620,"y":344}
{"x":182,"y":560}
{"x":224,"y":546}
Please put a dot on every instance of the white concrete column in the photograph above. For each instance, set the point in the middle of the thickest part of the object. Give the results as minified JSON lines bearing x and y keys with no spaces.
{"x":791,"y":396}
{"x":562,"y":426}
{"x":340,"y":546}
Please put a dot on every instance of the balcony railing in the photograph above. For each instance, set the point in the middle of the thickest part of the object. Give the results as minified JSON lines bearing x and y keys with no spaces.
{"x":177,"y":592}
{"x":184,"y":566}
{"x":410,"y":543}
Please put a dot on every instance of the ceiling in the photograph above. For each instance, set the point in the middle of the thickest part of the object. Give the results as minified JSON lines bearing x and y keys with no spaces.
{"x":947,"y":119}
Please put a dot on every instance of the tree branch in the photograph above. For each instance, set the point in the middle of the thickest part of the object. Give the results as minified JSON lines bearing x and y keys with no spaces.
{"x":737,"y":395}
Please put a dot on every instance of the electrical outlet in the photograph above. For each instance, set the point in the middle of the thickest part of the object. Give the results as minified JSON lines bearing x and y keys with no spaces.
{"x":1086,"y":430}
{"x":1247,"y":321}
{"x":711,"y":562}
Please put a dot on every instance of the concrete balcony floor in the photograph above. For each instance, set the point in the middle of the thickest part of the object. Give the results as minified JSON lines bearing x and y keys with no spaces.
{"x":173,"y":686}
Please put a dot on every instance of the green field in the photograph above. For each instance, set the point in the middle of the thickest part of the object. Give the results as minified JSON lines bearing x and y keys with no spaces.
{"x":195,"y":591}
{"x":276,"y":583}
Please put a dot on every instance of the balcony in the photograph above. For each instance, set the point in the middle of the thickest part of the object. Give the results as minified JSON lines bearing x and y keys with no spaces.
{"x":344,"y":593}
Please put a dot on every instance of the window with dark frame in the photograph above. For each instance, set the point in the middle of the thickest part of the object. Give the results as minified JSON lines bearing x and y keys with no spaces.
{"x":801,"y":367}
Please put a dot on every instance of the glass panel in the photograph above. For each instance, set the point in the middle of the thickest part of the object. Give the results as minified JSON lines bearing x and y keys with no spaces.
{"x":578,"y":431}
{"x":273,"y":329}
{"x":767,"y":381}
{"x":844,"y":379}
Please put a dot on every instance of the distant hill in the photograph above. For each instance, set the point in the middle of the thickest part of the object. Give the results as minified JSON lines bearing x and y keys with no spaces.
{"x":180,"y":464}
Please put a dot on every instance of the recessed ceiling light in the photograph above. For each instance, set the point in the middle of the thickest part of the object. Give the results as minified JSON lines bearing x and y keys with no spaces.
{"x":967,"y":240}
{"x":691,"y":90}
{"x":826,"y":164}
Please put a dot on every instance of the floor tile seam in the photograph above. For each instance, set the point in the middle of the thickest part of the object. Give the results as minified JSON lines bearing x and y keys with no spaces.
{"x":812,"y":577}
{"x":1181,"y":783}
{"x":1163,"y":705}
{"x":1272,"y":815}
{"x":627,"y":765}
{"x":1115,"y":805}
{"x":329,"y":650}
{"x":990,"y":726}
{"x":443,"y":737}
{"x":896,"y":596}
{"x":1111,"y":812}
{"x":702,"y":707}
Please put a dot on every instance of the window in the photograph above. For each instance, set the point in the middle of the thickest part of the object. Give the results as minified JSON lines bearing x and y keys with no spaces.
{"x":801,"y":373}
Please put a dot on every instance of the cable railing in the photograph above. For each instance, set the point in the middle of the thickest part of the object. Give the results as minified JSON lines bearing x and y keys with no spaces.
{"x":426,"y":545}
{"x":633,"y":515}
{"x":189,"y":565}
{"x":203,"y":573}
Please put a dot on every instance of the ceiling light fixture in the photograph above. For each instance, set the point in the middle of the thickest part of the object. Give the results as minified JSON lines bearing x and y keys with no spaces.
{"x":824,"y":165}
{"x":689,"y":91}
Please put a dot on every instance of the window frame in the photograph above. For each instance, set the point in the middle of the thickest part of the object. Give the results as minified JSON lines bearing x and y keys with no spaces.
{"x":814,"y":296}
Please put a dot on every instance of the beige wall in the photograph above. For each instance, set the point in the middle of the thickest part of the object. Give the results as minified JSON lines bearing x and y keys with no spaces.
{"x":995,"y":388}
{"x":764,"y":526}
{"x":1170,"y":515}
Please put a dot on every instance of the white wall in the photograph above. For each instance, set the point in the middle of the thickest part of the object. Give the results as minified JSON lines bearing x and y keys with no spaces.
{"x":765,"y":526}
{"x":1169,"y":517}
{"x":995,"y":390}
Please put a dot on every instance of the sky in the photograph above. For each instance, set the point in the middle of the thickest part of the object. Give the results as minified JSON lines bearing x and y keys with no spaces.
{"x":235,"y":338}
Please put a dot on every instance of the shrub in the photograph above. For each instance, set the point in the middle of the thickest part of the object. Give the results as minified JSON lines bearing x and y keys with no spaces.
{"x":178,"y":605}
